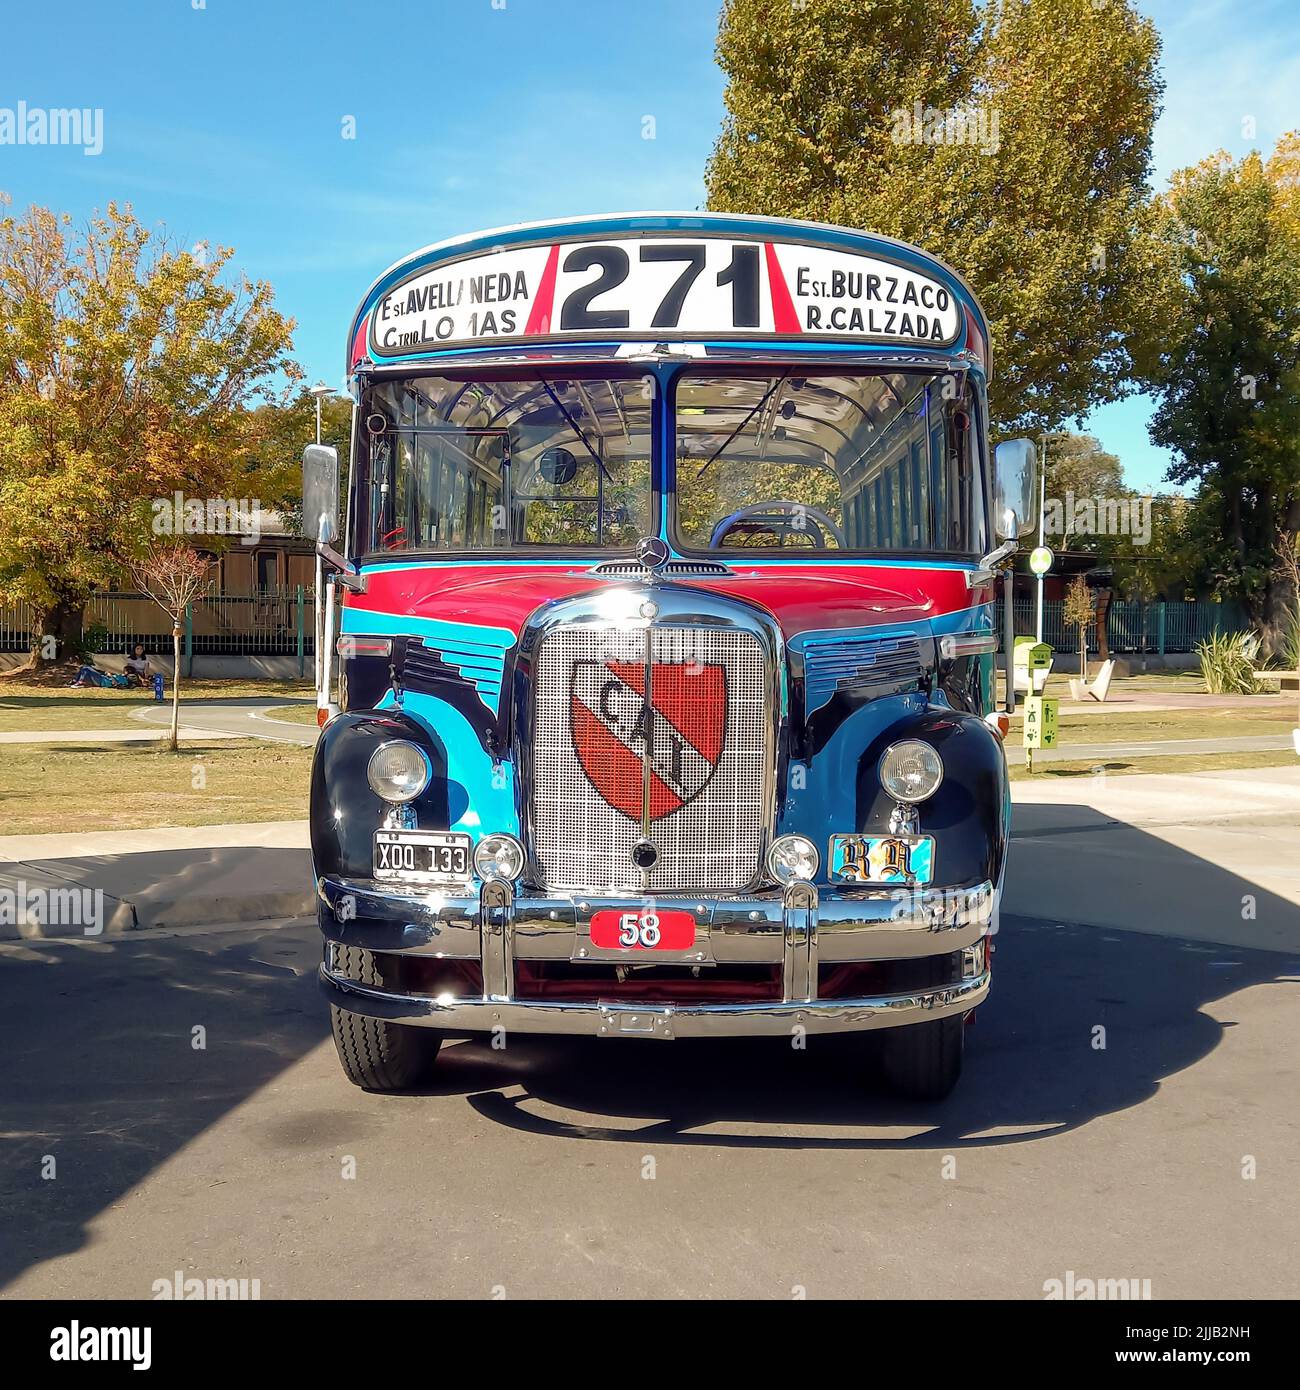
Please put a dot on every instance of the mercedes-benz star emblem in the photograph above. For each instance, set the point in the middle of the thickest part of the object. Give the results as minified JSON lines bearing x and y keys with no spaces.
{"x":651,"y":551}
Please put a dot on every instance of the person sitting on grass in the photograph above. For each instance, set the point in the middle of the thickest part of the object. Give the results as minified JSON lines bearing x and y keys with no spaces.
{"x":136,"y":666}
{"x":91,"y":675}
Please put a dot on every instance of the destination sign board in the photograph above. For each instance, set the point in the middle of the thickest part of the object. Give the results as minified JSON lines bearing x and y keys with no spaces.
{"x":697,"y":287}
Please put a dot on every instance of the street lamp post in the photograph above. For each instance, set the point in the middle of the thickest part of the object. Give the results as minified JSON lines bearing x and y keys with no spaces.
{"x":1042,"y":506}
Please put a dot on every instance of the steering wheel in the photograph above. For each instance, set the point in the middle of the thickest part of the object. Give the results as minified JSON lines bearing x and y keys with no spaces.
{"x":821,"y":525}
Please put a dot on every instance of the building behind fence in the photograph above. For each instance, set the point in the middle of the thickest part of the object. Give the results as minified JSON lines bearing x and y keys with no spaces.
{"x":267,"y":623}
{"x":279,"y":623}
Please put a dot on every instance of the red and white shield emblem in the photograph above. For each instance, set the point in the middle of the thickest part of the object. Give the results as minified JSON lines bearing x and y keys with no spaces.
{"x":682,"y":727}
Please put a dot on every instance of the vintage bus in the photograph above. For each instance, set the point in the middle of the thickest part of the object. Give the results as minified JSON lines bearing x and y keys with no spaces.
{"x":665,"y":632}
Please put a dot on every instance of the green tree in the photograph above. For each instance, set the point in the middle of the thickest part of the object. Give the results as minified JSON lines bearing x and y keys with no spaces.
{"x":276,"y":435}
{"x":1228,"y":379}
{"x":127,"y":368}
{"x":1046,"y":211}
{"x":1078,"y":474}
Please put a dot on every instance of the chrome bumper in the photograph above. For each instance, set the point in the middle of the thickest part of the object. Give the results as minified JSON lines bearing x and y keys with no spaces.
{"x":798,"y":930}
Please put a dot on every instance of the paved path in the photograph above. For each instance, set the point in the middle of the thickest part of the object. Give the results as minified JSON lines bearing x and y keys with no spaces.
{"x":239,"y":718}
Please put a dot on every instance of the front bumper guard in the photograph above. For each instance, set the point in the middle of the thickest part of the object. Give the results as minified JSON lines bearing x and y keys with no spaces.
{"x":798,"y":929}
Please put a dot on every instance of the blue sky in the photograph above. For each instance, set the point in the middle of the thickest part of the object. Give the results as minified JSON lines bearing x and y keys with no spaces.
{"x":223,"y":120}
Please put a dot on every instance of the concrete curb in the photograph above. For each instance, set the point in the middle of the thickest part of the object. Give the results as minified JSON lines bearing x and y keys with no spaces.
{"x":122,"y":917}
{"x":123,"y":881}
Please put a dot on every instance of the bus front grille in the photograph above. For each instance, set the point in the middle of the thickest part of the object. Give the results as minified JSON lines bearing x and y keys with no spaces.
{"x":708,"y":729}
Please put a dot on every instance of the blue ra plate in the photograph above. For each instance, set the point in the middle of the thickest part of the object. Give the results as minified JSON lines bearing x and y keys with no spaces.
{"x":882,"y":858}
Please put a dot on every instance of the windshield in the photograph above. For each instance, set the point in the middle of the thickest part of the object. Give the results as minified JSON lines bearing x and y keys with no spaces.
{"x":460,"y":464}
{"x":863,"y":463}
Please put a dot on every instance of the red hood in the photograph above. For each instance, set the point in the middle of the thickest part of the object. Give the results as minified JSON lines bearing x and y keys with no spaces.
{"x":800,"y":598}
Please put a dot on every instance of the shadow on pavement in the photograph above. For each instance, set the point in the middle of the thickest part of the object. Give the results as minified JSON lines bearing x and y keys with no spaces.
{"x":101,"y":1072}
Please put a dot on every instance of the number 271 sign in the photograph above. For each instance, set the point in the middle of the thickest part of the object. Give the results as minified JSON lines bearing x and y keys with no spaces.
{"x":669,"y":287}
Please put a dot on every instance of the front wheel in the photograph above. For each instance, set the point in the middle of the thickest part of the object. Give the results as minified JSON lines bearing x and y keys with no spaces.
{"x":922,"y":1061}
{"x":382,"y":1056}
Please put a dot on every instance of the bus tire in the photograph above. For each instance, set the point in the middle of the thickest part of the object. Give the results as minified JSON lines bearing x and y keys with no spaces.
{"x":922,"y":1061}
{"x":381,"y":1056}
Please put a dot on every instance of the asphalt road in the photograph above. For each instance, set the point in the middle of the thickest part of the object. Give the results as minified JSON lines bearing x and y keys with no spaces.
{"x":598,"y":1169}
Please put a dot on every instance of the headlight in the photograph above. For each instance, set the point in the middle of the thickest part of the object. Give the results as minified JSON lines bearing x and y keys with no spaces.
{"x":398,"y":771}
{"x":910,"y":771}
{"x":499,"y":856}
{"x":792,"y":857}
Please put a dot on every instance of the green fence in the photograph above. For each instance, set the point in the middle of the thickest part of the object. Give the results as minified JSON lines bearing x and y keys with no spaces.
{"x":1157,"y":628}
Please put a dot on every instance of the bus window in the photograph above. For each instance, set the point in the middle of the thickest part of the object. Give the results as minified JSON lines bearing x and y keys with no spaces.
{"x":869,"y":462}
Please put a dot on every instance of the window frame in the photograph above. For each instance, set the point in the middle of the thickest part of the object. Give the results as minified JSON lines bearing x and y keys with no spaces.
{"x":523,"y":551}
{"x":885,"y":515}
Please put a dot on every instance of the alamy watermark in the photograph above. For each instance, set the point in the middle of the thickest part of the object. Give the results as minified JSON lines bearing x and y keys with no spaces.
{"x":23,"y":904}
{"x":178,"y":1288}
{"x":1098,"y":516}
{"x":1074,"y":1288}
{"x":954,"y":125}
{"x":48,"y":125}
{"x":179,"y":515}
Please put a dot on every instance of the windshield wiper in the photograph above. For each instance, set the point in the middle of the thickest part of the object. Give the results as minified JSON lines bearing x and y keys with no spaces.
{"x":577,"y":429}
{"x":780,"y":381}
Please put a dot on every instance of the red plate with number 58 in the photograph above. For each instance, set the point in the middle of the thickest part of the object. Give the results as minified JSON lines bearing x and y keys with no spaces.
{"x":643,"y":929}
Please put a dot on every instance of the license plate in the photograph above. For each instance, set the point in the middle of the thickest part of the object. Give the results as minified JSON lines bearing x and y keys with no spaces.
{"x":642,"y":929}
{"x":424,"y":856}
{"x":883,"y":858}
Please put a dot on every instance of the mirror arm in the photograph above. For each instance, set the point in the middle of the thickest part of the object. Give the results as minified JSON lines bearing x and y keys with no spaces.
{"x":346,"y":573}
{"x":985,"y":570}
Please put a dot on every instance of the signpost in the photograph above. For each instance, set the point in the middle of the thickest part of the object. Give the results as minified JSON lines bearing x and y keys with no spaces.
{"x":1040,"y":561}
{"x":1040,"y":725}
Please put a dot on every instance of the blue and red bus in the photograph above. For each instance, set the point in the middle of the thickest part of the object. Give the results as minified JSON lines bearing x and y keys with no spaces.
{"x":665,"y":631}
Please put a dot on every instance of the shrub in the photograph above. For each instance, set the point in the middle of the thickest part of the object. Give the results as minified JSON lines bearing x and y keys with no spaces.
{"x":1228,"y":662}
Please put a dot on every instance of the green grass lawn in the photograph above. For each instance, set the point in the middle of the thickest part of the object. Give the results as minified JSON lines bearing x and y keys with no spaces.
{"x":51,"y":788}
{"x":32,"y":707}
{"x":293,"y":714}
{"x":1132,"y":727}
{"x":1151,"y":683}
{"x":1180,"y":762}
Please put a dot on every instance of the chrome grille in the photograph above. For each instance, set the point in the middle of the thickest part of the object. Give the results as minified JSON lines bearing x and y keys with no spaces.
{"x":710,"y":844}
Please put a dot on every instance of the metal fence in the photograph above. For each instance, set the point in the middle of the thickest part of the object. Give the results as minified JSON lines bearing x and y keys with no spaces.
{"x":269,"y":623}
{"x":1158,"y":628}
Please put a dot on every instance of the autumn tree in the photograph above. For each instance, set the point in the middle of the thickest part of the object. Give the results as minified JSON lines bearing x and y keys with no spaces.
{"x":173,"y":575}
{"x":127,"y":371}
{"x":1043,"y":205}
{"x":1228,"y":379}
{"x":1077,"y":612}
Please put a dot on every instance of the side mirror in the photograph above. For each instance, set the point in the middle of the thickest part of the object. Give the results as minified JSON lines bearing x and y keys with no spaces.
{"x":1015,"y":480}
{"x":320,"y":493}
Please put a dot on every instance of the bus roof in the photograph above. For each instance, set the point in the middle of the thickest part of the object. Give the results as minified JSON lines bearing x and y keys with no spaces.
{"x":600,"y":285}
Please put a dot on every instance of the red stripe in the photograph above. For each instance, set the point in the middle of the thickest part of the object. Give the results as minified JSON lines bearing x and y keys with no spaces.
{"x":677,"y":702}
{"x":785,"y":320}
{"x":359,"y":353}
{"x":539,"y":316}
